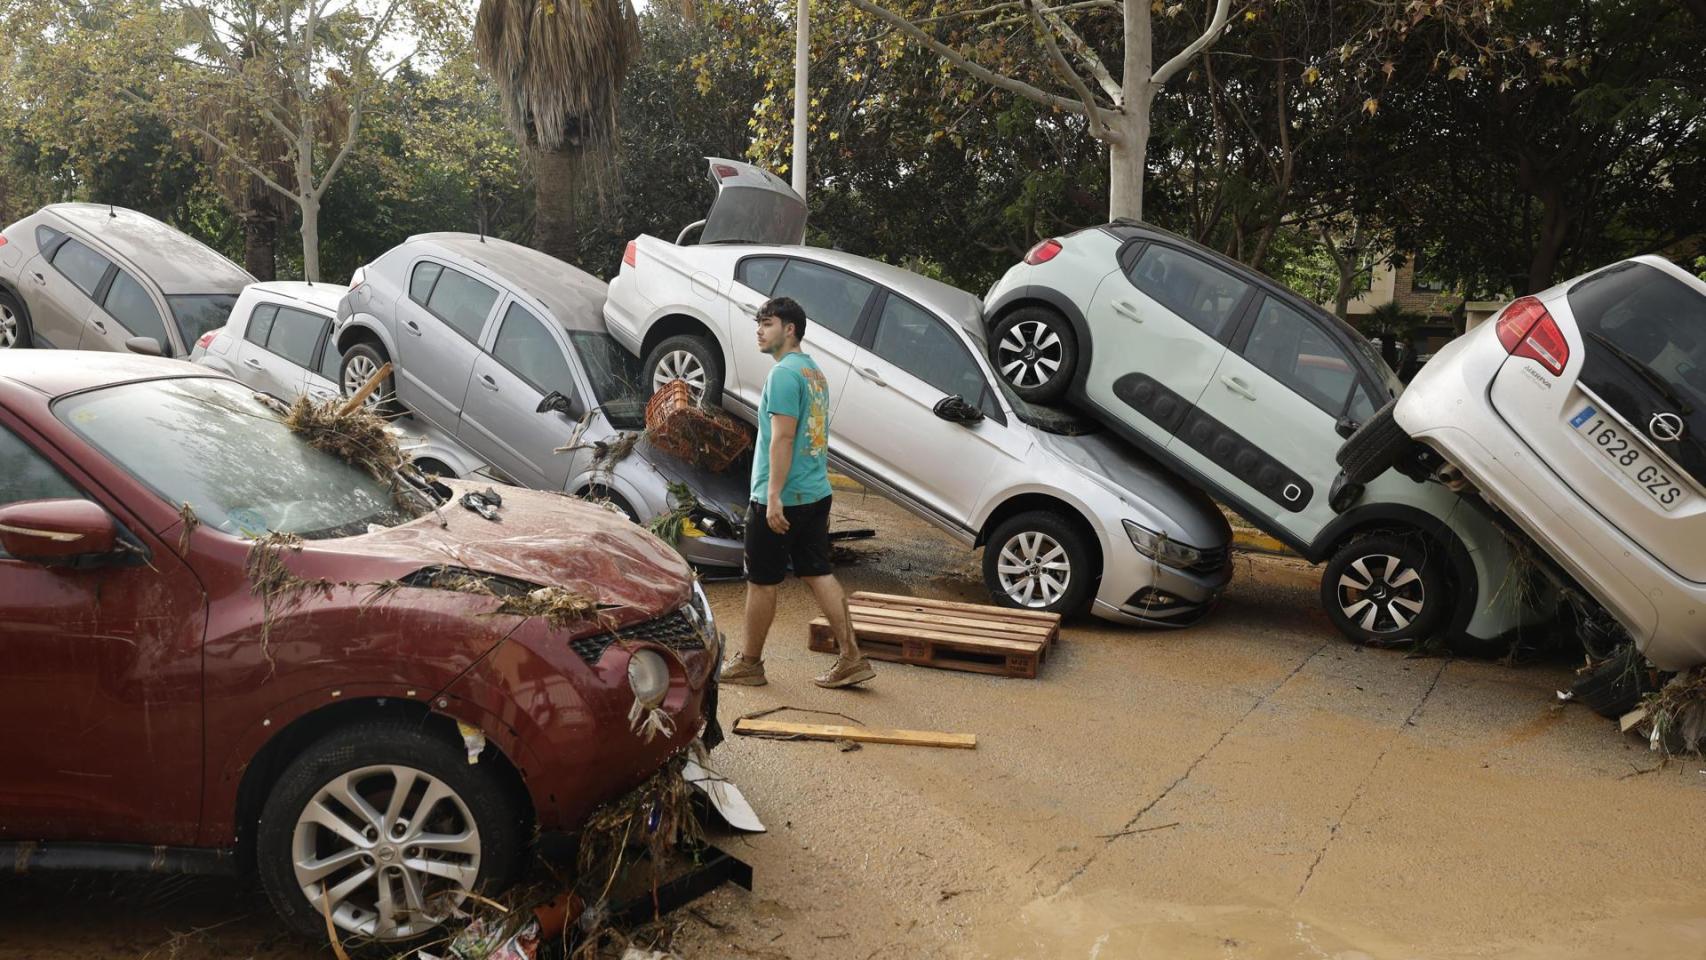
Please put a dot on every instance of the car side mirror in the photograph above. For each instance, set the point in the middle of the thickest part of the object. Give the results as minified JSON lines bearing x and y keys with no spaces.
{"x":147,"y":346}
{"x":954,"y":409}
{"x":1345,"y":427}
{"x":556,"y":402}
{"x":50,"y":531}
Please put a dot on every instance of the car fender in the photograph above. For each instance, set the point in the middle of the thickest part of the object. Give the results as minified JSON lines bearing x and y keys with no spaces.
{"x":1086,"y":512}
{"x":220,"y":793}
{"x":371,"y":324}
{"x":617,"y":481}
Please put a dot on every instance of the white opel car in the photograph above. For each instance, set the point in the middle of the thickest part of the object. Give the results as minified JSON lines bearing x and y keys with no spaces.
{"x":1248,"y":390}
{"x":917,"y":412}
{"x":1580,"y":413}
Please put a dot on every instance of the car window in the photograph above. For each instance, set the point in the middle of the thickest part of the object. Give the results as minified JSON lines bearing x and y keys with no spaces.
{"x":1289,"y":347}
{"x":197,"y":313}
{"x":28,"y":476}
{"x":829,"y":297}
{"x":82,"y":266}
{"x":295,"y":334}
{"x":131,"y":306}
{"x":462,"y":302}
{"x":331,"y":361}
{"x":760,"y":273}
{"x":1362,"y":406}
{"x":260,"y":324}
{"x":527,"y":348}
{"x":1203,"y":295}
{"x":420,"y":284}
{"x":46,"y":237}
{"x":918,"y":343}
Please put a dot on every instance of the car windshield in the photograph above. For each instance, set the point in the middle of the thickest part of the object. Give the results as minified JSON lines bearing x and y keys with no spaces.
{"x":198,"y":313}
{"x":1047,"y":419}
{"x":616,"y":378}
{"x":212,"y":444}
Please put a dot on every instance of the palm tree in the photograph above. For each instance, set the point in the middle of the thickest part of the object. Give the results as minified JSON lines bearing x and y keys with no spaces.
{"x":558,"y":65}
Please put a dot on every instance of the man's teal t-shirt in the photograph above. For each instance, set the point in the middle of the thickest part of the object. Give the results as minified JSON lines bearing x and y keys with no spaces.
{"x":795,"y":388}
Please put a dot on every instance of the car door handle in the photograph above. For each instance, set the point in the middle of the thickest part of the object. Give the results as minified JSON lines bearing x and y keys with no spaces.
{"x":100,"y":326}
{"x":412,"y":327}
{"x":871,"y":375}
{"x":1127,"y":309}
{"x":252,"y":362}
{"x":1239,"y":387}
{"x":39,"y":278}
{"x":487,"y":382}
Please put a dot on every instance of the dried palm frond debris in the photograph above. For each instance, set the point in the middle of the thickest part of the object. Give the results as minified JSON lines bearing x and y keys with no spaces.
{"x":558,"y":606}
{"x":272,"y":581}
{"x":186,"y":513}
{"x":358,"y":436}
{"x":669,"y":527}
{"x":1675,"y":716}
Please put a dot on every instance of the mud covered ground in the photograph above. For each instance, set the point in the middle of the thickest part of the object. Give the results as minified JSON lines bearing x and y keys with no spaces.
{"x":1252,"y":787}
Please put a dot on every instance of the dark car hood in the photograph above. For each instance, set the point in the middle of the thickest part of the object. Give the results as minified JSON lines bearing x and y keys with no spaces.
{"x":541,"y":538}
{"x":1176,"y":508}
{"x":727,"y":491}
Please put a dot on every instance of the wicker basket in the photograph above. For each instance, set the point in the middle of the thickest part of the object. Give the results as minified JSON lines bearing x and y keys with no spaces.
{"x":679,"y":427}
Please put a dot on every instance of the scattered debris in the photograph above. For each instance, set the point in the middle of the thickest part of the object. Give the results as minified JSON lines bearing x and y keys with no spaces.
{"x":1674,"y":718}
{"x":941,"y":633}
{"x":649,"y":722}
{"x":473,"y":739}
{"x":670,"y":526}
{"x":701,"y":435}
{"x":558,"y":606}
{"x":485,"y":502}
{"x":834,"y":731}
{"x":725,"y":797}
{"x":273,"y":583}
{"x":186,"y":514}
{"x":357,"y":436}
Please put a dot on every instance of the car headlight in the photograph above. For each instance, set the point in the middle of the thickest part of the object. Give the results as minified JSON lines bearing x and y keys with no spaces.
{"x":1159,"y":547}
{"x":712,"y":524}
{"x":698,"y":612}
{"x":648,"y":677}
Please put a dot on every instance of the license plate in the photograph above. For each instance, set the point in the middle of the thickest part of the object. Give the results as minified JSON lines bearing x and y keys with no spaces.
{"x":1615,"y":444}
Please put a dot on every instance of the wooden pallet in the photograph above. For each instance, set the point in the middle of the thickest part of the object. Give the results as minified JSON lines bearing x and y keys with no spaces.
{"x":941,"y":633}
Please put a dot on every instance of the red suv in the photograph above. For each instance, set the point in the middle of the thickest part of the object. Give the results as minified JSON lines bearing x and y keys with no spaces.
{"x":333,"y":714}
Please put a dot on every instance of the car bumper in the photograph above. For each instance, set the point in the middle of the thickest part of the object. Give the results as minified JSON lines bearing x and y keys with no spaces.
{"x":1447,"y":407}
{"x":1141,"y":592}
{"x":620,"y":317}
{"x":712,"y":551}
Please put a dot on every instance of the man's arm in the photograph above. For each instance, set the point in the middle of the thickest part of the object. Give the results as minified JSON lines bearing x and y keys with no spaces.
{"x":782,"y":430}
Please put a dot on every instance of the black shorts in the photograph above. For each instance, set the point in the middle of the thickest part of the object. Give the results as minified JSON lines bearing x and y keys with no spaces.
{"x":806,"y":543}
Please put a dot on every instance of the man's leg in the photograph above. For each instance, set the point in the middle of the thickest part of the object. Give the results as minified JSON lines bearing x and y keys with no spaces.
{"x":760,"y":614}
{"x":832,"y":600}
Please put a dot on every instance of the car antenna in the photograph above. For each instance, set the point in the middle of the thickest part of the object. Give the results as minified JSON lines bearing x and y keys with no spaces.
{"x":111,"y":213}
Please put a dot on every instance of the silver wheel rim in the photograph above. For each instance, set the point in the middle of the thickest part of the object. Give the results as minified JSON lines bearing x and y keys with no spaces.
{"x":357,"y":372}
{"x":1381,"y":594}
{"x":394,"y":850}
{"x":1033,"y":570}
{"x":1030,"y":354}
{"x":8,"y":327}
{"x":680,"y":365}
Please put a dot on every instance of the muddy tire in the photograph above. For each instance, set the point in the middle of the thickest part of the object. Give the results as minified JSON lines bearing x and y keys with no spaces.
{"x":14,"y":324}
{"x":333,"y":820}
{"x":1374,"y":447}
{"x":1039,"y":561}
{"x":1035,"y":350}
{"x":360,"y":363}
{"x":694,"y":359}
{"x":1614,"y":686}
{"x":1386,"y":589}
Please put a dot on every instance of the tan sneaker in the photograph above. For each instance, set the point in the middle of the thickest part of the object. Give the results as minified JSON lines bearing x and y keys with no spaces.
{"x":846,"y":673}
{"x":743,"y":672}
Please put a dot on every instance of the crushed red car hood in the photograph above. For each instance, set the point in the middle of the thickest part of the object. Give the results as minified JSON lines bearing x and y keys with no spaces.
{"x":541,"y":538}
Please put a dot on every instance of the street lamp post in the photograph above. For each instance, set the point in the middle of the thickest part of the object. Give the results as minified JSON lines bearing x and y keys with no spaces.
{"x":802,"y":53}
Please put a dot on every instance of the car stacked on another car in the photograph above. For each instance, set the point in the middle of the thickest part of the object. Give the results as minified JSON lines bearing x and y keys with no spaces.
{"x":183,"y":716}
{"x":86,"y":276}
{"x":1247,"y":390}
{"x":504,"y":348}
{"x":1580,"y":413}
{"x":917,"y":413}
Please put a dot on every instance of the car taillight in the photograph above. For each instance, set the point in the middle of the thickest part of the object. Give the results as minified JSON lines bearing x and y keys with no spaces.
{"x":2,"y":240}
{"x":1527,"y":330}
{"x":206,"y":339}
{"x":631,"y":255}
{"x":1042,"y":252}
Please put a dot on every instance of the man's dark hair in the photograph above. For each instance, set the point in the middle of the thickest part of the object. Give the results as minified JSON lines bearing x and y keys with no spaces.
{"x":787,"y":310}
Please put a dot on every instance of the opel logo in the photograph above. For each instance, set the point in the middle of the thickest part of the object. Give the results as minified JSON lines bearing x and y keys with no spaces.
{"x":1665,"y":427}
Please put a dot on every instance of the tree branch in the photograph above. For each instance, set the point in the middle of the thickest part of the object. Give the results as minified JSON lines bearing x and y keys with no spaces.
{"x":1064,"y":69}
{"x":954,"y":57}
{"x":1173,"y":66}
{"x":1086,"y":54}
{"x":230,"y":151}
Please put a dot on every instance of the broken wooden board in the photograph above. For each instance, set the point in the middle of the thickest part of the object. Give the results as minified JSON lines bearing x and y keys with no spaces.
{"x":837,"y":731}
{"x":945,"y":634}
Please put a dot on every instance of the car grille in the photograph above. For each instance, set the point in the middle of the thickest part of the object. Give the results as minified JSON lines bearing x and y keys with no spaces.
{"x":1213,"y":561}
{"x":674,"y":631}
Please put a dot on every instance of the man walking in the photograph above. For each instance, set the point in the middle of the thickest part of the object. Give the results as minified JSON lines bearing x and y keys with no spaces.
{"x":788,"y":519}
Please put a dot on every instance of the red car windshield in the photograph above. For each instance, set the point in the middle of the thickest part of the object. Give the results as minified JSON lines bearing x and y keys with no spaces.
{"x":211,"y":444}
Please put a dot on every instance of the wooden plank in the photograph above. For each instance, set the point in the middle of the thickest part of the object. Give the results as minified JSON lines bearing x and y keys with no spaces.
{"x":1008,"y":612}
{"x":903,"y":631}
{"x":970,"y":634}
{"x":836,"y":731}
{"x":905,"y":646}
{"x":944,"y":621}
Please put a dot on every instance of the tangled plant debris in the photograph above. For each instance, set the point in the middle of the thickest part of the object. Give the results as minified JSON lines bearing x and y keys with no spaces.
{"x":558,"y":606}
{"x":358,"y":436}
{"x":669,"y":527}
{"x":273,"y":583}
{"x":1674,"y":718}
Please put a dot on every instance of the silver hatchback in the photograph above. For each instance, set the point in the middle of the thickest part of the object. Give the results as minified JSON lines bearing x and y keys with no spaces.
{"x":88,"y":276}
